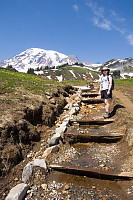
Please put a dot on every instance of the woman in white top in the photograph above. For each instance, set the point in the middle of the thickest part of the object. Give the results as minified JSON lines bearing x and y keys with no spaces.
{"x":105,"y":89}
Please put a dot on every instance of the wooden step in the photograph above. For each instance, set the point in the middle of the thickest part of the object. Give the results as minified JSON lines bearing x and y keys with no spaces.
{"x":84,"y":138}
{"x":94,"y":173}
{"x":92,"y":122}
{"x":90,"y":94}
{"x":92,"y":101}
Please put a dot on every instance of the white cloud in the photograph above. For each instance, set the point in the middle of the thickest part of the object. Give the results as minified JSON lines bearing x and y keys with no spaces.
{"x":107,"y":19}
{"x":121,"y":30}
{"x":75,"y":7}
{"x":117,"y":17}
{"x":104,"y":23}
{"x":130,"y":38}
{"x":99,"y":20}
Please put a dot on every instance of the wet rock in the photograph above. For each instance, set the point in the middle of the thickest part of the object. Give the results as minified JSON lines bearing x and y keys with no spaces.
{"x":49,"y":150}
{"x":72,"y":111}
{"x":18,"y":192}
{"x":39,"y":163}
{"x":53,"y":141}
{"x":27,"y":172}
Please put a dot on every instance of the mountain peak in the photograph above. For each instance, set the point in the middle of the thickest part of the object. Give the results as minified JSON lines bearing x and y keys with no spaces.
{"x":38,"y":58}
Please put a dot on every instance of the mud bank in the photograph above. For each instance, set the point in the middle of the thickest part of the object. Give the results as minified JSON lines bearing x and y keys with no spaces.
{"x":21,"y":133}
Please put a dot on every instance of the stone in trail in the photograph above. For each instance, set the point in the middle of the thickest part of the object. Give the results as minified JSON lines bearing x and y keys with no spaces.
{"x":18,"y":192}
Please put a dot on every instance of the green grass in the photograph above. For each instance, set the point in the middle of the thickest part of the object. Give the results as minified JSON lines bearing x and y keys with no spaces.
{"x":124,"y":81}
{"x":125,"y":86}
{"x":11,"y":80}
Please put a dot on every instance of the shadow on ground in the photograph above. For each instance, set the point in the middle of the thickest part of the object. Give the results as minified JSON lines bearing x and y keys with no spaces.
{"x":116,"y":107}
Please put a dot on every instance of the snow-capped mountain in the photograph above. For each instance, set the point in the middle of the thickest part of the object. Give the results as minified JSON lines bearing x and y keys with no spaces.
{"x":38,"y":58}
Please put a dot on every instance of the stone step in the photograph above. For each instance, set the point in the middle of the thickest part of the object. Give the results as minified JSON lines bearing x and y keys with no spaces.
{"x":84,"y":138}
{"x":94,"y":173}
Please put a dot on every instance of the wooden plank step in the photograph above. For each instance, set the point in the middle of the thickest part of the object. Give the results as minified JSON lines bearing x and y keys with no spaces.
{"x":90,"y":94}
{"x":92,"y":122}
{"x":92,"y":101}
{"x":84,"y":138}
{"x":88,"y":90}
{"x":94,"y":173}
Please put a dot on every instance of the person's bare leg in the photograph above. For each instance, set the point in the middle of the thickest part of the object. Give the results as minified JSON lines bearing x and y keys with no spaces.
{"x":107,"y":105}
{"x":107,"y":108}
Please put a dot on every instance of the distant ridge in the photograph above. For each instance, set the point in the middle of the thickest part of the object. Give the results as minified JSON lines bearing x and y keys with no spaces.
{"x":40,"y":59}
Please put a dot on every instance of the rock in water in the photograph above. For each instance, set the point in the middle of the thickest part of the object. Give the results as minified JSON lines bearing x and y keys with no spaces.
{"x":39,"y":163}
{"x":27,"y":172}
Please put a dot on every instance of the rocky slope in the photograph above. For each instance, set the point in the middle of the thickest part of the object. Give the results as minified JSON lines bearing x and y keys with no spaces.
{"x":125,"y":66}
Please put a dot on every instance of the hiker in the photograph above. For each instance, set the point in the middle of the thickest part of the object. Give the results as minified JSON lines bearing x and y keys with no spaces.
{"x":106,"y":89}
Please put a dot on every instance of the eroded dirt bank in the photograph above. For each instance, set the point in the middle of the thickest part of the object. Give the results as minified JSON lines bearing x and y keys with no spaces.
{"x":59,"y":185}
{"x":20,"y":129}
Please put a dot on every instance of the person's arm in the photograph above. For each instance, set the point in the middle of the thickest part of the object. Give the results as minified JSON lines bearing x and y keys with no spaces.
{"x":100,"y":86}
{"x":110,"y":85}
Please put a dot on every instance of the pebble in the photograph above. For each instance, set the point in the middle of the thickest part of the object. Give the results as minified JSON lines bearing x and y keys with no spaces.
{"x":107,"y":169}
{"x":44,"y":186}
{"x":66,"y":187}
{"x":16,"y":179}
{"x":102,"y":165}
{"x":54,"y":191}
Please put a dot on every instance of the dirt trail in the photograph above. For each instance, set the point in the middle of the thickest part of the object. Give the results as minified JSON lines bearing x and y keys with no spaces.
{"x":107,"y":157}
{"x":125,"y":101}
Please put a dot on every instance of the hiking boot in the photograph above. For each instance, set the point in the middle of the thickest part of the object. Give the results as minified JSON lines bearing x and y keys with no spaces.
{"x":107,"y":115}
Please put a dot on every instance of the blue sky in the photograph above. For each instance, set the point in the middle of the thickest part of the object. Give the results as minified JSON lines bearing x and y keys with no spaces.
{"x":92,"y":30}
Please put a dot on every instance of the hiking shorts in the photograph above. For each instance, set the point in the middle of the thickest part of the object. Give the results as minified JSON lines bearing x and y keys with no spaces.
{"x":105,"y":96}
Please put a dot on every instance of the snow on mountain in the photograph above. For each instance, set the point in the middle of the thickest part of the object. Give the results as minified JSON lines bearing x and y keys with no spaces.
{"x":38,"y":58}
{"x":92,"y":66}
{"x":125,"y":66}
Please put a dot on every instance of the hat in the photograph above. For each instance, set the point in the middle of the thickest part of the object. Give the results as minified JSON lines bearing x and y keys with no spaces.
{"x":105,"y":69}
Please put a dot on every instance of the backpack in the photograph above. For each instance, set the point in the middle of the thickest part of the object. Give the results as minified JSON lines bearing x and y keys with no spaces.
{"x":113,"y":84}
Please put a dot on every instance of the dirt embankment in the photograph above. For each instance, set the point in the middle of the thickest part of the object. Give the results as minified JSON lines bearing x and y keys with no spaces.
{"x":20,"y":132}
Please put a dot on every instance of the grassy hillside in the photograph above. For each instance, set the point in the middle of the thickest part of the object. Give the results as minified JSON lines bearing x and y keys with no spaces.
{"x":21,"y":90}
{"x":14,"y":81}
{"x":10,"y":81}
{"x":71,"y":73}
